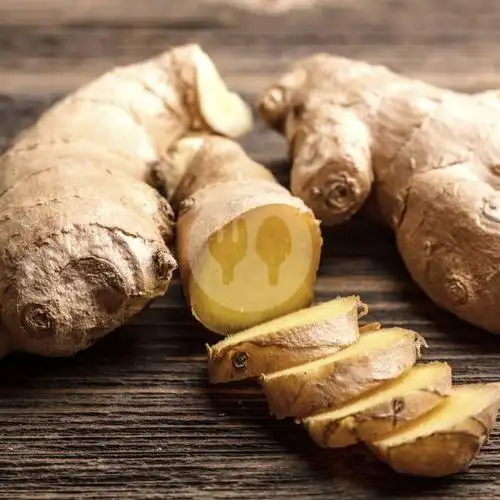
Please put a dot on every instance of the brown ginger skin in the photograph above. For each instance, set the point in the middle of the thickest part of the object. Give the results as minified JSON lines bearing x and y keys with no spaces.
{"x":283,"y":349}
{"x":426,"y":160}
{"x":83,"y":233}
{"x":204,"y":161}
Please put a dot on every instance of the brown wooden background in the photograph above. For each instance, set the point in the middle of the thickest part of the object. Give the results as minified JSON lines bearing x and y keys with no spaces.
{"x":134,"y":416}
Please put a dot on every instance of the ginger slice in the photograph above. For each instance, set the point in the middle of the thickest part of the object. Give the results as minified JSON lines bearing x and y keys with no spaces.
{"x":324,"y":384}
{"x":387,"y":408}
{"x":369,"y":391}
{"x":447,"y":439}
{"x":287,"y":341}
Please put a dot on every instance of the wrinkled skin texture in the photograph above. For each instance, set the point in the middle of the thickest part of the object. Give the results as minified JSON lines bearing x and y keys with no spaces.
{"x":202,"y":161}
{"x":421,"y":159}
{"x":83,"y":234}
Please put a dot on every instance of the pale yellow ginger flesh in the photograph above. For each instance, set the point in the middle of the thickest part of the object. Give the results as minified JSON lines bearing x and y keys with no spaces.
{"x":367,"y":343}
{"x":287,"y":341}
{"x":223,"y":111}
{"x":320,"y":312}
{"x":327,"y":383}
{"x":246,"y":284}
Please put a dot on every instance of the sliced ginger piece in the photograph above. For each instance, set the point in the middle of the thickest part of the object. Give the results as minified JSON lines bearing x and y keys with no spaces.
{"x":290,"y":340}
{"x":327,"y":383}
{"x":447,"y":439}
{"x":387,"y":408}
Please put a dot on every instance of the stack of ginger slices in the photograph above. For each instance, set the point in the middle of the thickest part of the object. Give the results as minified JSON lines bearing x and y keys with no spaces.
{"x":348,"y":384}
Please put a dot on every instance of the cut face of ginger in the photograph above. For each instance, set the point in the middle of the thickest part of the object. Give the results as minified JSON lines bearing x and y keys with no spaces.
{"x":223,"y":111}
{"x":260,"y":265}
{"x":445,"y":440}
{"x":293,"y":339}
{"x":386,"y":408}
{"x":326,"y":383}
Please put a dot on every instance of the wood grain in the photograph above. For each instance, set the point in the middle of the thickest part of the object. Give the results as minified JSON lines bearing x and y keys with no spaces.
{"x":134,"y":417}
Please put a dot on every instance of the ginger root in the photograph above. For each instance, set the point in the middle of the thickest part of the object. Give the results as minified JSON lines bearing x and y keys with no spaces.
{"x":347,"y":385}
{"x":248,"y":250}
{"x":83,"y":233}
{"x":421,"y":159}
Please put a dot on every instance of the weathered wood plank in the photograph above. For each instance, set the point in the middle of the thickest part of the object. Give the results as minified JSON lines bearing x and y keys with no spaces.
{"x":59,"y":45}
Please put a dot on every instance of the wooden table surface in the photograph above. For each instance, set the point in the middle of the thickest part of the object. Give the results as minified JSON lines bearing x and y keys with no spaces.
{"x":134,"y":417}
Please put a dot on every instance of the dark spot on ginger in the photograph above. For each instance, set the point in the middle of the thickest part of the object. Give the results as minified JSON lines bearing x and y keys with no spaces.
{"x":398,"y":405}
{"x":240,"y":360}
{"x":298,"y":111}
{"x":166,"y":210}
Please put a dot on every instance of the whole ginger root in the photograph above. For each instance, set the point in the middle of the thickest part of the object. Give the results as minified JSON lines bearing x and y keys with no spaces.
{"x":83,"y":233}
{"x":421,"y":159}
